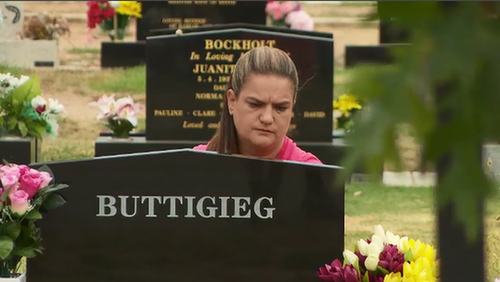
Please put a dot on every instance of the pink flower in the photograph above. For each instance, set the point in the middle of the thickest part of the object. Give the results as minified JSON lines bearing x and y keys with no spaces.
{"x":46,"y":178}
{"x":19,"y":202}
{"x":31,"y":182}
{"x":336,"y":273}
{"x":8,"y":180}
{"x":23,"y":169}
{"x":287,"y":6}
{"x":274,"y":10}
{"x":300,"y":20}
{"x":10,"y":170}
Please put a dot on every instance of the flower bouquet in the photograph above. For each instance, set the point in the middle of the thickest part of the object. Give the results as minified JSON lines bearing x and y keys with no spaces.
{"x":119,"y":116}
{"x":277,"y":11}
{"x":112,"y":16}
{"x":384,"y":258}
{"x":23,"y":109}
{"x":344,"y":108}
{"x":300,"y":20}
{"x":25,"y":193}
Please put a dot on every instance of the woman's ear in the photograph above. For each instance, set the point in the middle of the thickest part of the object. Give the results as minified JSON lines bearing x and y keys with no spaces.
{"x":231,"y":100}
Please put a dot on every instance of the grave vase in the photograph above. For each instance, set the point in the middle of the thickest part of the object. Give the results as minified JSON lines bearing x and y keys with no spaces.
{"x":20,"y":278}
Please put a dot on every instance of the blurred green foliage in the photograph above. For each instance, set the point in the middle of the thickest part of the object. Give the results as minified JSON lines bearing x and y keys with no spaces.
{"x":458,"y":45}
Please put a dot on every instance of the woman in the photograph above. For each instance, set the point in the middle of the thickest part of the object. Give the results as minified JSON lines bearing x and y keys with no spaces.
{"x":258,"y":109}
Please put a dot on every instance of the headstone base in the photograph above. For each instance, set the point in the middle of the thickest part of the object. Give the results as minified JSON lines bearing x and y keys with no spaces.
{"x":19,"y":150}
{"x":123,"y":54}
{"x":29,"y":53}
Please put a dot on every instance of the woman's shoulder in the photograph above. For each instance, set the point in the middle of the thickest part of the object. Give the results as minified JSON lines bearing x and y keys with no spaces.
{"x":292,"y":152}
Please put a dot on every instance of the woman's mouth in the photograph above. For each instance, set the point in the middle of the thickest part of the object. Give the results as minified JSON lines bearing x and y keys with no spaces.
{"x":264,"y":131}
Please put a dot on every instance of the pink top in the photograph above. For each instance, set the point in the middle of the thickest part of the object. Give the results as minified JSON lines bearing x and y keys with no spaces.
{"x":289,"y":152}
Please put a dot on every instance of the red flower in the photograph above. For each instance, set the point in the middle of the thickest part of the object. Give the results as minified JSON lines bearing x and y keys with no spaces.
{"x":336,"y":273}
{"x":97,"y":12}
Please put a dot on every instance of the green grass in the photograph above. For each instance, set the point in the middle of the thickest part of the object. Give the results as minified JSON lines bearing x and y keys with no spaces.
{"x":16,"y":71}
{"x":84,"y":51}
{"x":141,"y":124}
{"x":387,"y":200}
{"x":130,"y":80}
{"x":358,"y":3}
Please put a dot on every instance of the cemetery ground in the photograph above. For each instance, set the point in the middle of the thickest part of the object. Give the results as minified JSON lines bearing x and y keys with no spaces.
{"x":402,"y":210}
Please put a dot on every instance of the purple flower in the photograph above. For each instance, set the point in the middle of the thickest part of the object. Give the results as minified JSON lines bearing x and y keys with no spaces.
{"x":391,"y":260}
{"x":334,"y":272}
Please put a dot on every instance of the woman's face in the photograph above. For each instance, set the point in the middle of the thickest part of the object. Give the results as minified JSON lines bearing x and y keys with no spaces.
{"x":262,"y":112}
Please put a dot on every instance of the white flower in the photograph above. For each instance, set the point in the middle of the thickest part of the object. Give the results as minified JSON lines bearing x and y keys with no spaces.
{"x":392,"y":239}
{"x":38,"y":103}
{"x":107,"y":105}
{"x":401,"y":244}
{"x":114,"y":4}
{"x":126,"y":109}
{"x":127,"y":113}
{"x":22,"y":80}
{"x":55,"y":107}
{"x":375,"y":248}
{"x":5,"y":83}
{"x":371,"y":262}
{"x":350,"y":257}
{"x":379,"y":231}
{"x":376,"y":243}
{"x":387,"y":237}
{"x":9,"y":82}
{"x":363,"y":247}
{"x":300,"y":20}
{"x":125,"y":102}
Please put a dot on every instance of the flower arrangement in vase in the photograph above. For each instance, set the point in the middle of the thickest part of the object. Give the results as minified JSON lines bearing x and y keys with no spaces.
{"x":24,"y":112}
{"x":288,"y":14}
{"x":25,"y":194}
{"x":112,"y":16}
{"x":384,"y":257}
{"x":344,"y":107}
{"x":119,"y":115}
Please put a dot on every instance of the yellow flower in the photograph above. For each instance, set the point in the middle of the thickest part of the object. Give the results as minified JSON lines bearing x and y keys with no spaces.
{"x":345,"y":103}
{"x":130,"y":8}
{"x":420,"y":270}
{"x":393,"y":277}
{"x":420,"y":250}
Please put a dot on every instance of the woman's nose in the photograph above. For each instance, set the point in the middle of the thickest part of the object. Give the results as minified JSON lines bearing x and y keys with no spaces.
{"x":266,"y":116}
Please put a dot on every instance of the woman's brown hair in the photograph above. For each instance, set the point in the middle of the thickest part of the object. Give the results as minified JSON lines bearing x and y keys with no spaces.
{"x":260,"y":61}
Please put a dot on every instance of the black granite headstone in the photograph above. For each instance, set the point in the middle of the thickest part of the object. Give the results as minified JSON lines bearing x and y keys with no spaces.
{"x":190,"y":216}
{"x":187,"y":74}
{"x":166,"y":31}
{"x":20,"y":150}
{"x":123,"y":54}
{"x":189,"y":14}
